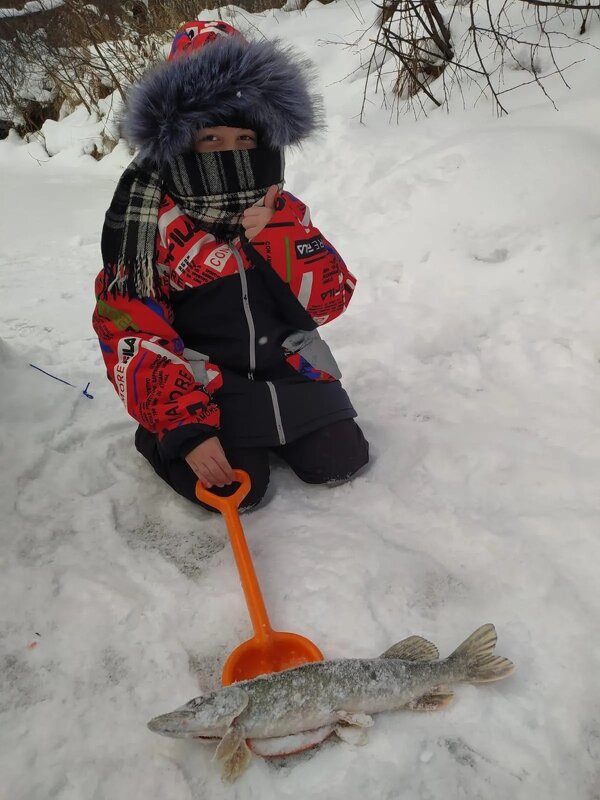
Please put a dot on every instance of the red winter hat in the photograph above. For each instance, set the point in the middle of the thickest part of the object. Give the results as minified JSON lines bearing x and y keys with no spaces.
{"x":194,"y":35}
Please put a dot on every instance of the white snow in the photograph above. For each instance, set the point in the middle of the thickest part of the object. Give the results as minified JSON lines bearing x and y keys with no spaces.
{"x":32,"y":7}
{"x":471,"y":352}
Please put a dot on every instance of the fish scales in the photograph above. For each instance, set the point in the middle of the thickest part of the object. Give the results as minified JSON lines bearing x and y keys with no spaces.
{"x":311,"y":695}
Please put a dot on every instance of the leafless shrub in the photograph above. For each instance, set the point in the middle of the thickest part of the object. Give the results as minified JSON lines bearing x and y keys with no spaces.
{"x":81,"y":55}
{"x":437,"y":47}
{"x":83,"y":51}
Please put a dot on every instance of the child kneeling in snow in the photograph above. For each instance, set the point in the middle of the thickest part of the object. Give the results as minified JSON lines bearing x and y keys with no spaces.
{"x":215,"y":279}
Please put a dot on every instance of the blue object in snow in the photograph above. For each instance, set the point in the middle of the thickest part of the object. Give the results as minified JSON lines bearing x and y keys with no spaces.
{"x":50,"y":375}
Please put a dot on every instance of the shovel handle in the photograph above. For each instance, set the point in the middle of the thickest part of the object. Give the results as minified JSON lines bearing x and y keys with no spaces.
{"x":228,"y":506}
{"x":231,"y":500}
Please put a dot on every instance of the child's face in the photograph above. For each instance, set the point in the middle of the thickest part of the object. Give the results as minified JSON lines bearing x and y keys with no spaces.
{"x":210,"y":140}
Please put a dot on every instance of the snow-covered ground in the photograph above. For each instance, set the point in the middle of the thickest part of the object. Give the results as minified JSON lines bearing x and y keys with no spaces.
{"x":471,"y":351}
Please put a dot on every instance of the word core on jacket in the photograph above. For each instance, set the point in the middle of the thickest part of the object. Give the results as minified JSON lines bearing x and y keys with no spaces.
{"x":231,"y":348}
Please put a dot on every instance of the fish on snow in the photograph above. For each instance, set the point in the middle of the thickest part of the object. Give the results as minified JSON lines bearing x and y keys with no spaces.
{"x":286,"y":712}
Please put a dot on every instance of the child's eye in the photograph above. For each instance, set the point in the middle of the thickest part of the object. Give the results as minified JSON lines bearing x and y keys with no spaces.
{"x":209,"y":137}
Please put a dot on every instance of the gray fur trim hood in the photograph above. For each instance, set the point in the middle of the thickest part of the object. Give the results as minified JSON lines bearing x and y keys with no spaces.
{"x":263,"y":85}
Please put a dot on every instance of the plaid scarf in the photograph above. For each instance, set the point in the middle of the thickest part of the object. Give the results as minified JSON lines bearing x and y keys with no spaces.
{"x":213,"y":189}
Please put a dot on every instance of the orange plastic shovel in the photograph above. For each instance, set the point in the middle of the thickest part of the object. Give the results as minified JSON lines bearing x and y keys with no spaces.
{"x":267,"y":650}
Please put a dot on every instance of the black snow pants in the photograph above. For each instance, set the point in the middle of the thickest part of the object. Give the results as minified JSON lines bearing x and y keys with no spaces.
{"x":332,"y":454}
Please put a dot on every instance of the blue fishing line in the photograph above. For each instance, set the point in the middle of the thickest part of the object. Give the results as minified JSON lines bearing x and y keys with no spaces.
{"x":56,"y":378}
{"x":50,"y":375}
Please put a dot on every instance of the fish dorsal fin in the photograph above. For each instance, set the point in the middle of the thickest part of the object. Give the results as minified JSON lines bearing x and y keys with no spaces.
{"x":234,"y":754}
{"x":415,"y":648}
{"x":438,"y":697}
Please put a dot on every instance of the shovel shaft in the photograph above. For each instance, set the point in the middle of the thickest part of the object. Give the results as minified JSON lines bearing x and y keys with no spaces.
{"x":228,"y":506}
{"x":250,"y":585}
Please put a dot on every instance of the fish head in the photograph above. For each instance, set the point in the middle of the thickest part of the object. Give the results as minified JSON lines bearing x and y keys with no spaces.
{"x":203,"y":717}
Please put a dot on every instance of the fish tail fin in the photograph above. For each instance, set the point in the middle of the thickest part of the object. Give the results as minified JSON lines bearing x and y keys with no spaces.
{"x":476,"y":660}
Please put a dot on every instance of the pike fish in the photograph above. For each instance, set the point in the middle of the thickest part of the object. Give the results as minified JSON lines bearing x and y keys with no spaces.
{"x":289,"y":711}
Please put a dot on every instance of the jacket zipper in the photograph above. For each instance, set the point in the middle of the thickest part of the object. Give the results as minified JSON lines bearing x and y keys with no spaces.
{"x":247,"y":312}
{"x":252,"y":332}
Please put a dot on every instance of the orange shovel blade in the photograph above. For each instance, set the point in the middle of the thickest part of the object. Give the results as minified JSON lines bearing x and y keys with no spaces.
{"x":277,"y":652}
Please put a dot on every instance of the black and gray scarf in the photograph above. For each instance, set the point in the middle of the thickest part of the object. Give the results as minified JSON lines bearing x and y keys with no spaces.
{"x":213,"y":189}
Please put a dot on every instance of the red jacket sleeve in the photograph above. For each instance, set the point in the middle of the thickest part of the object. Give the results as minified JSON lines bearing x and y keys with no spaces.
{"x":304,"y":260}
{"x":145,"y":363}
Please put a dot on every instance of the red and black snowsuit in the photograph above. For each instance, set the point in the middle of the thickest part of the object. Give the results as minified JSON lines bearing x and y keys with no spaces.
{"x":233,"y":349}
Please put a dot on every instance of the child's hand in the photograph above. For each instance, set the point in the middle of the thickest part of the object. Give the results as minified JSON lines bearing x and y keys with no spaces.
{"x":210,"y":464}
{"x":255,"y":218}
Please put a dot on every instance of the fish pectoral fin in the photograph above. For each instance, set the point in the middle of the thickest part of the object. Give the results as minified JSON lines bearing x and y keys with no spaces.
{"x":415,"y":648}
{"x":351,"y":734}
{"x":234,"y":754}
{"x":438,"y":697}
{"x":356,"y":719}
{"x":352,"y":727}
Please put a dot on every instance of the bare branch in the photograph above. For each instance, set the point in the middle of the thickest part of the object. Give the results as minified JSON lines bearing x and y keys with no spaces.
{"x":561,"y":4}
{"x":417,"y":37}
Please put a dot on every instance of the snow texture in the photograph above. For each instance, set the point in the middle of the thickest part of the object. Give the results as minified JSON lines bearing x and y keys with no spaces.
{"x":471,"y":352}
{"x":31,"y":7}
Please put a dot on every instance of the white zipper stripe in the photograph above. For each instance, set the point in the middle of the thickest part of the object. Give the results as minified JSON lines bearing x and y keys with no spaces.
{"x":277,"y":412}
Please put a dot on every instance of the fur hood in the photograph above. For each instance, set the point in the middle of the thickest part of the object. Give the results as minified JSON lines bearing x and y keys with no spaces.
{"x":263,"y":85}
